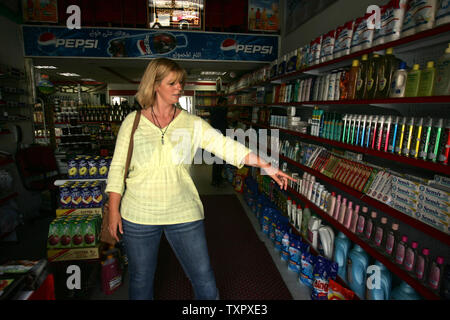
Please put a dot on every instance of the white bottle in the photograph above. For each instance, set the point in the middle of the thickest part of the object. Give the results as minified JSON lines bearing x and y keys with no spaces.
{"x":326,"y":235}
{"x":313,"y":231}
{"x":293,"y":213}
{"x":289,"y":206}
{"x":398,"y":84}
{"x":299,"y":217}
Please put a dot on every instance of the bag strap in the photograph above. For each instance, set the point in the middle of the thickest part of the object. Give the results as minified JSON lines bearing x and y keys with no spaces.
{"x":130,"y":146}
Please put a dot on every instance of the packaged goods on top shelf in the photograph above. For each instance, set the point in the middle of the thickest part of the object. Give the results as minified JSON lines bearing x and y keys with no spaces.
{"x":399,"y":19}
{"x":82,"y":194}
{"x":89,"y":167}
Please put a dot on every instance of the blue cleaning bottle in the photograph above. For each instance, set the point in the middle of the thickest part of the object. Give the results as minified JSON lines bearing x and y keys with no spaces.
{"x":404,"y":292}
{"x":379,"y":282}
{"x":341,"y":249}
{"x":357,"y":264}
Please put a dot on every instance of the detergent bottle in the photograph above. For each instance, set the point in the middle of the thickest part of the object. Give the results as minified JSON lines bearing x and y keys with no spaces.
{"x":341,"y":249}
{"x":357,"y":264}
{"x":379,"y":282}
{"x":326,"y":241}
{"x":305,"y":221}
{"x":111,"y":275}
{"x":404,"y":292}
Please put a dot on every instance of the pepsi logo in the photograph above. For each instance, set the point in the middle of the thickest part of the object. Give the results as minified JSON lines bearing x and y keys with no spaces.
{"x":228,"y":45}
{"x":47,"y":38}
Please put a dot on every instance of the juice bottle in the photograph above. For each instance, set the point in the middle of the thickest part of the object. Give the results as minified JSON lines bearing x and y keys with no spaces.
{"x":427,"y":78}
{"x":442,"y":80}
{"x":361,"y":84}
{"x":413,"y":81}
{"x":387,"y":67}
{"x":392,"y":238}
{"x":372,"y":77}
{"x":352,"y":80}
{"x":398,"y":84}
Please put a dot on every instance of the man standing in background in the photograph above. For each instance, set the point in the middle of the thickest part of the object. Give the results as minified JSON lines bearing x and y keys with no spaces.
{"x":218,"y":120}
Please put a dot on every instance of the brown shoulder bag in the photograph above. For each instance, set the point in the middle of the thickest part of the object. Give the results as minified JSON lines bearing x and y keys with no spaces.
{"x":105,"y":235}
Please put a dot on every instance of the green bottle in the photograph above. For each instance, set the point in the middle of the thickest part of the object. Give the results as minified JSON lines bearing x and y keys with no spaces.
{"x":426,"y":85}
{"x":413,"y":81}
{"x":442,"y":81}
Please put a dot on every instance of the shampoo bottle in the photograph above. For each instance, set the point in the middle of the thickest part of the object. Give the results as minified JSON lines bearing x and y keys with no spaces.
{"x":362,"y":220}
{"x":357,"y":264}
{"x":353,"y":78}
{"x":442,"y":80}
{"x":400,"y":251}
{"x":411,"y":257}
{"x":398,"y":84}
{"x":380,"y":234}
{"x":392,"y":238}
{"x":422,"y":266}
{"x":404,"y":292}
{"x":372,"y":77}
{"x":348,"y":215}
{"x":342,"y":211}
{"x":426,"y":85}
{"x":436,"y":273}
{"x":370,"y":227}
{"x":337,"y":207}
{"x":378,"y":289}
{"x":341,"y":249}
{"x":361,"y":79}
{"x":412,"y":82}
{"x":388,"y":66}
{"x":355,"y":219}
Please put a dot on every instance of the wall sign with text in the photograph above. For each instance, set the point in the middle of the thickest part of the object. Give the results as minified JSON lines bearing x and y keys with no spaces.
{"x":142,"y":43}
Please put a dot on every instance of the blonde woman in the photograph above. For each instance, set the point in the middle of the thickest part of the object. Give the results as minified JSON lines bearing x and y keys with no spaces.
{"x":159,"y":194}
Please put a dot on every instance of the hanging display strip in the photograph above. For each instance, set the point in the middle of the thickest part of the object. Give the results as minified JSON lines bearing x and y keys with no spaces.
{"x":142,"y":43}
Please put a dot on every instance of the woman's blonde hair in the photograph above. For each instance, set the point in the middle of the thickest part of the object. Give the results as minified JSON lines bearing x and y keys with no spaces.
{"x":156,"y":71}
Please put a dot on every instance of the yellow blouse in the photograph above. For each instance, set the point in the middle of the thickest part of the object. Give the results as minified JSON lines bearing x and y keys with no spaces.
{"x":159,"y":189}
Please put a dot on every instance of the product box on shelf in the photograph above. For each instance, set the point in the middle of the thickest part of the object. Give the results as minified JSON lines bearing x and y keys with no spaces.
{"x":78,"y":212}
{"x":405,"y":192}
{"x":68,"y":254}
{"x":410,"y":211}
{"x":82,"y":194}
{"x":343,"y":39}
{"x":74,"y":231}
{"x":440,"y":182}
{"x":408,"y":184}
{"x":431,"y":220}
{"x":362,"y":35}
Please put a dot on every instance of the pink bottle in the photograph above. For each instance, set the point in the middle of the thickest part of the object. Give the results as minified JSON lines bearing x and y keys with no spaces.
{"x":337,"y":208}
{"x":411,"y":257}
{"x":435,"y":275}
{"x":348,"y":215}
{"x":355,"y":218}
{"x":362,"y":219}
{"x":422,"y":265}
{"x":400,"y":251}
{"x":342,"y":211}
{"x":332,"y":204}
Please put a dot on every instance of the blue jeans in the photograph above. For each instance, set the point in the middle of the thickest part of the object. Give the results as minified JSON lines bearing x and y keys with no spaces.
{"x":189,"y":245}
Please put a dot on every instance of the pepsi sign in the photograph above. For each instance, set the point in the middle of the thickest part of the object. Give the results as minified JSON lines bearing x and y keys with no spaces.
{"x":144,"y":43}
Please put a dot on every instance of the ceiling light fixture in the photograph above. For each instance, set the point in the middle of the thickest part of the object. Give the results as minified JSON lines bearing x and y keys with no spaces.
{"x":212,"y":73}
{"x":45,"y":67}
{"x":68,"y":74}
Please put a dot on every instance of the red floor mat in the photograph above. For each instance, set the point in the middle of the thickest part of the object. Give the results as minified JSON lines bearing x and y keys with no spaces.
{"x":243,"y":268}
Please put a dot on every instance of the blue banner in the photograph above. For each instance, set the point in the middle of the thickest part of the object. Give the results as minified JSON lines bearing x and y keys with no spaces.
{"x":43,"y":41}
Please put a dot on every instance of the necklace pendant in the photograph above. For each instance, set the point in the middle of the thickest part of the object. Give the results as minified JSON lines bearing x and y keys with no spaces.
{"x":162,"y":139}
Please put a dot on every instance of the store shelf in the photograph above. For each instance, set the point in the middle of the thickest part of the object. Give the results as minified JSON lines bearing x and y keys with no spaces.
{"x":413,"y":100}
{"x":428,"y":165}
{"x":440,"y":34}
{"x":434,"y":233}
{"x":421,"y":289}
{"x":62,"y":181}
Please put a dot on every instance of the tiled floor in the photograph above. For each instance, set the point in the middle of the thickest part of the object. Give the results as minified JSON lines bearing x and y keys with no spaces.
{"x":33,"y":238}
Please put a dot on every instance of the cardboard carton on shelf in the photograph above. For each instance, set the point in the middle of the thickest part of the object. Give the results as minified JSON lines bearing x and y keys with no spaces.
{"x":69,"y":254}
{"x":78,"y":212}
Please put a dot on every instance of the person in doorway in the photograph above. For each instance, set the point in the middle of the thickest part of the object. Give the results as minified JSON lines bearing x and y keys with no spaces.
{"x":218,"y":120}
{"x":159,"y":194}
